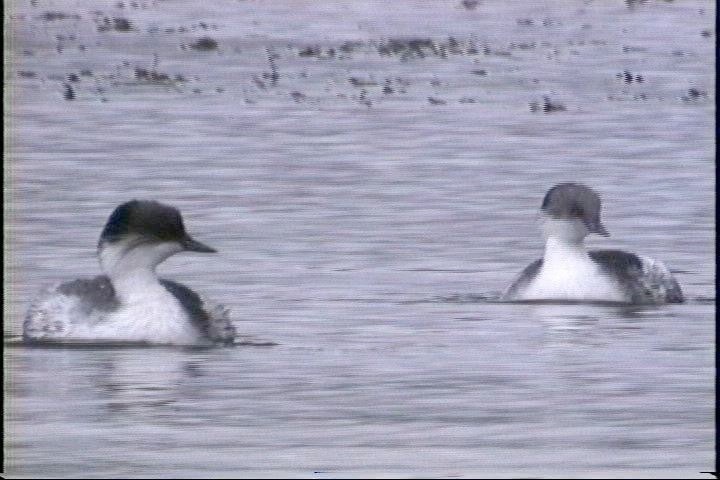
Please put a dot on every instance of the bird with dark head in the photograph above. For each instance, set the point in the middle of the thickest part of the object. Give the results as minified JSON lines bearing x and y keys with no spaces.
{"x":129,"y":303}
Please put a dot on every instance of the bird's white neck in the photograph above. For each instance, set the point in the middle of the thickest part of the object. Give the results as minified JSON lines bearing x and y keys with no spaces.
{"x":561,"y":250}
{"x":131,"y":266}
{"x":564,"y":243}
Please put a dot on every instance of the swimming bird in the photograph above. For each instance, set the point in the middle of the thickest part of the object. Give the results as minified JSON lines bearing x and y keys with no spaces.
{"x":129,"y":303}
{"x":567,"y":271}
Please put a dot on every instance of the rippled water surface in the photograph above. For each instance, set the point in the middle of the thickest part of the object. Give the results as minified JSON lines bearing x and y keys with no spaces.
{"x":370,"y":173}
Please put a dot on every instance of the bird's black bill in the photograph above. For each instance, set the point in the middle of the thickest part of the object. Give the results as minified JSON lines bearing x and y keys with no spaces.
{"x":191,"y":245}
{"x":596,"y":227}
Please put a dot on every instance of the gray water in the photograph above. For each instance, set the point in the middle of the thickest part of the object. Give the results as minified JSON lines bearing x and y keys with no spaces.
{"x":369,"y":200}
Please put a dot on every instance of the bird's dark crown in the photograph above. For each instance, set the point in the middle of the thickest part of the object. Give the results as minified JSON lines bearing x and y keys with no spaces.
{"x":571,"y":200}
{"x":147,"y":218}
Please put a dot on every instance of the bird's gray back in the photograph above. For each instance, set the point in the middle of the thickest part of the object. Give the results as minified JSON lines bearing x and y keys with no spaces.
{"x":643,"y":279}
{"x":523,"y":280}
{"x":93,"y":293}
{"x":53,"y":314}
{"x":212,"y":321}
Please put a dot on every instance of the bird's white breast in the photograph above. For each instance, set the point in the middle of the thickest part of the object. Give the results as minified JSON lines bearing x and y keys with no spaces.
{"x":568,"y":273}
{"x":155,"y":316}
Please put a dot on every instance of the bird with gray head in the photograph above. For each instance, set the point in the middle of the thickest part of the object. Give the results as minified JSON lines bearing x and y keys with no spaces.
{"x":570,"y":201}
{"x":567,"y":271}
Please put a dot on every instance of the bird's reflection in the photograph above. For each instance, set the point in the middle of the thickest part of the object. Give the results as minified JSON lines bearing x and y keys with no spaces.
{"x":119,"y":381}
{"x":578,"y":324}
{"x":147,"y":385}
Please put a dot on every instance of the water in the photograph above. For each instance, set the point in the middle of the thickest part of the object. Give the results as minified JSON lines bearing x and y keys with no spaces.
{"x":368,"y":200}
